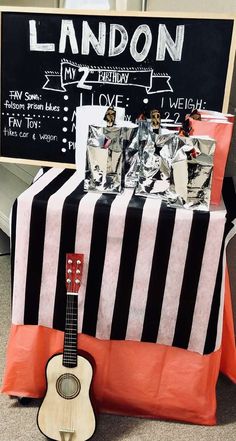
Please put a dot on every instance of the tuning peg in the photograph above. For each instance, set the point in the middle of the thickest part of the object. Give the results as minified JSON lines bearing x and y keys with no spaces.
{"x":69,"y":271}
{"x":68,"y":280}
{"x":69,"y":261}
{"x":78,"y":262}
{"x":77,"y":281}
{"x":78,"y":271}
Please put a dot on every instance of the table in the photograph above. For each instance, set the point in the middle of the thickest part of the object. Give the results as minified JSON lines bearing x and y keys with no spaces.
{"x":152,"y":300}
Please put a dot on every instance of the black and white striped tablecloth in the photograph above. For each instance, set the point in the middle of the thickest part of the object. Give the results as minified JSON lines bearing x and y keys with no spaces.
{"x":151,"y":273}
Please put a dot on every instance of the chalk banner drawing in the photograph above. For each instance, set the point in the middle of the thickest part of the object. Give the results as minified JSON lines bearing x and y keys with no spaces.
{"x":52,"y":63}
{"x":70,"y":73}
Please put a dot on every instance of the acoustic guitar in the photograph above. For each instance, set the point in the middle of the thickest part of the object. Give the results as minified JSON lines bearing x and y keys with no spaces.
{"x":66,"y":412}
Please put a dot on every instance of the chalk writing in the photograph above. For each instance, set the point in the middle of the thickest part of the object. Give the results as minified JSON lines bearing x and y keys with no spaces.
{"x":70,"y":73}
{"x":164,"y":41}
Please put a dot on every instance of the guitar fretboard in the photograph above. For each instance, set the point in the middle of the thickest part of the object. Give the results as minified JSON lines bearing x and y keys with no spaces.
{"x":71,"y":329}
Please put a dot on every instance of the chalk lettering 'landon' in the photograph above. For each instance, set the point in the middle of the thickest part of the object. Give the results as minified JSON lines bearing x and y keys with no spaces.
{"x":142,"y":34}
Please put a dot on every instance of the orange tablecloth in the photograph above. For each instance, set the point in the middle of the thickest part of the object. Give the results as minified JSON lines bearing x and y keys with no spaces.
{"x":131,"y":378}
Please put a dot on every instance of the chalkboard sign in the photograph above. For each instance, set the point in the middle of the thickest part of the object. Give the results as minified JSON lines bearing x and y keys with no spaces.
{"x":53,"y":61}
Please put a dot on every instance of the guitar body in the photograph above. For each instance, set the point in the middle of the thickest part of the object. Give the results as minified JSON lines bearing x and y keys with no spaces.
{"x":66,"y":413}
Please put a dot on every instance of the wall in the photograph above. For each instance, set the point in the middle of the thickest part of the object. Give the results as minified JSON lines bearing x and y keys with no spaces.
{"x":228,"y":6}
{"x":14,"y":179}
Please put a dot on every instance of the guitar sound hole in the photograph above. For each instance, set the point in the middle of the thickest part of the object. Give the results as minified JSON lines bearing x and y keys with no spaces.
{"x":68,"y":386}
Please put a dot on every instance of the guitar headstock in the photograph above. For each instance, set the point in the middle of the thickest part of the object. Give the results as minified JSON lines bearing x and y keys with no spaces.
{"x":74,"y":268}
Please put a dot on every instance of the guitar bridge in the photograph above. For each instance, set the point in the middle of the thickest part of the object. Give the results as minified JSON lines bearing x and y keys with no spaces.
{"x":66,"y":434}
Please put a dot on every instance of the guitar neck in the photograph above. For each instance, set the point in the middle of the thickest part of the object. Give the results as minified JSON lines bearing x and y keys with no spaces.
{"x":71,"y":330}
{"x":74,"y":266}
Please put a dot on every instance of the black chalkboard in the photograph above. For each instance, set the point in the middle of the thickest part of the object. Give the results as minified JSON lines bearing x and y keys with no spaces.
{"x":52,"y":62}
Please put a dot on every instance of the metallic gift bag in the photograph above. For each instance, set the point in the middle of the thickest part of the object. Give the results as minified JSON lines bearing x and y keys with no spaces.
{"x":135,"y":143}
{"x":154,"y":173}
{"x":104,"y":160}
{"x":147,"y":127}
{"x":178,"y":170}
{"x":192,"y":168}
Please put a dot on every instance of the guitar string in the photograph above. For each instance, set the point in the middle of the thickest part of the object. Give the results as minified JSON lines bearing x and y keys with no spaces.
{"x":66,"y":361}
{"x":75,"y":317}
{"x":76,"y":328}
{"x":72,"y":344}
{"x":67,"y":356}
{"x":66,"y":351}
{"x":71,"y":337}
{"x":71,"y":347}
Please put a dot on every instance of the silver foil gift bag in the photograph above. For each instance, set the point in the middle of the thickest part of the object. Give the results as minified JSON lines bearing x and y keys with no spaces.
{"x":154,"y":173}
{"x":135,"y":143}
{"x":147,"y":127}
{"x":104,"y":160}
{"x":178,"y":170}
{"x":192,"y":167}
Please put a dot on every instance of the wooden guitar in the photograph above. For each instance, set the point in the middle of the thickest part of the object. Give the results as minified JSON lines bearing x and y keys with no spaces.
{"x":66,"y":413}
